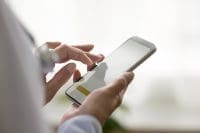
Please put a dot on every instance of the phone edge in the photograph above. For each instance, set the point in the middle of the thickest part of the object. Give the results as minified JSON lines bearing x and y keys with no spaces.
{"x":137,"y":39}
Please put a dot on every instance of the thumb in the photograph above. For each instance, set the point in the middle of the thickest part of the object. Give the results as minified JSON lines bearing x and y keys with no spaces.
{"x":60,"y":78}
{"x":120,"y":83}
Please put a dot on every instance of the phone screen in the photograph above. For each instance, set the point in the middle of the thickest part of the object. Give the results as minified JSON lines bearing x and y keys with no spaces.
{"x":125,"y":57}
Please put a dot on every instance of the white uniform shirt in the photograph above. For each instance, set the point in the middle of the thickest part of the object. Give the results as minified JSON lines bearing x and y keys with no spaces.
{"x":21,"y":90}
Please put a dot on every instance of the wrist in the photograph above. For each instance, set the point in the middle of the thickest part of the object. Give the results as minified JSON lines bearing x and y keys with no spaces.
{"x":97,"y":114}
{"x":86,"y":123}
{"x":47,"y":58}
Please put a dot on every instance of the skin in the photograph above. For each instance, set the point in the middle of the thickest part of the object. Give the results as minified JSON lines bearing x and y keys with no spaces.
{"x":101,"y":102}
{"x":66,"y":53}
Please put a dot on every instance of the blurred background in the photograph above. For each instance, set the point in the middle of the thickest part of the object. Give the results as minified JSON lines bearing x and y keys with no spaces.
{"x":165,"y":94}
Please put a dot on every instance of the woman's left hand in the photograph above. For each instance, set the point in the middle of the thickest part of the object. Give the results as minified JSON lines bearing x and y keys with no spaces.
{"x":66,"y":53}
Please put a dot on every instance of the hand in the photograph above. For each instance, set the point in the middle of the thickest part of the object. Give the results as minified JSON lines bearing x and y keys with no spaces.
{"x":65,"y":53}
{"x":103,"y":101}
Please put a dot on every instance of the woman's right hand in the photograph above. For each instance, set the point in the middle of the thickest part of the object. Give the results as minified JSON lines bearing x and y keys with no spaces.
{"x":102,"y":102}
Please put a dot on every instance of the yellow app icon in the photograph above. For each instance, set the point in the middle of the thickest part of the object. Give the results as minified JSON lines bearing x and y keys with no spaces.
{"x":83,"y":90}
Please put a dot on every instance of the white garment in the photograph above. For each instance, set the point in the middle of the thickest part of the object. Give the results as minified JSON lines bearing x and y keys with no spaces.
{"x":21,"y":90}
{"x":81,"y":124}
{"x":20,"y":81}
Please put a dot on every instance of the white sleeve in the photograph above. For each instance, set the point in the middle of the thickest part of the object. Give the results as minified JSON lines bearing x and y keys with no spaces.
{"x":81,"y":124}
{"x":21,"y":90}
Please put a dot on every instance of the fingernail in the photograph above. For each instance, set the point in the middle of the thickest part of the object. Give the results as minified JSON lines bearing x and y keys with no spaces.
{"x":130,"y":76}
{"x":91,"y":45}
{"x":71,"y":67}
{"x":101,"y":57}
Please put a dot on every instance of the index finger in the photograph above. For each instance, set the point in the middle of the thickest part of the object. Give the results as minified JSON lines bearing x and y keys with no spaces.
{"x":66,"y":52}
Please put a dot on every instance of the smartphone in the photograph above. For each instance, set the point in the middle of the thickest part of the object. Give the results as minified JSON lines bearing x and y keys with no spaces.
{"x":126,"y":57}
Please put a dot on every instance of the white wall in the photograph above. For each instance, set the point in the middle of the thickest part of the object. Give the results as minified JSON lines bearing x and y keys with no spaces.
{"x":166,"y":91}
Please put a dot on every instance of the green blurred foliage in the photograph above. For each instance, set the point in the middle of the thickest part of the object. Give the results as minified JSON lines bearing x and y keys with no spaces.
{"x":111,"y":125}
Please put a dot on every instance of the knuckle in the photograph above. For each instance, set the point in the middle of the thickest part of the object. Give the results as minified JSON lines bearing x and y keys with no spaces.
{"x":121,"y":82}
{"x":64,"y":46}
{"x":79,"y":54}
